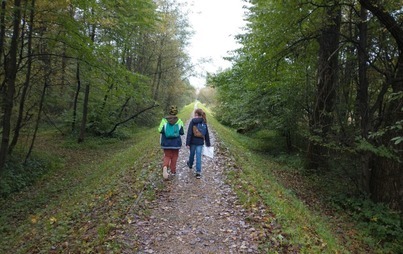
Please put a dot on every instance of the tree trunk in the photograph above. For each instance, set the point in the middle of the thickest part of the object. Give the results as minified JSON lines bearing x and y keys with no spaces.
{"x":86,"y":95}
{"x":122,"y":108}
{"x":38,"y":118}
{"x":157,"y":78}
{"x":75,"y":102}
{"x":322,"y":117}
{"x":362,"y":100}
{"x":26,"y":83}
{"x":9,"y":85}
{"x":2,"y":29}
{"x":106,"y":97}
{"x":85,"y":113}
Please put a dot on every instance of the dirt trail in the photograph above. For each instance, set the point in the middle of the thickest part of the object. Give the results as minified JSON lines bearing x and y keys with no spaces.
{"x":196,"y":215}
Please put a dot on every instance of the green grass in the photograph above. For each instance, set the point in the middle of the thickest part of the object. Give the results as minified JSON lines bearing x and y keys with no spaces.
{"x":78,"y":207}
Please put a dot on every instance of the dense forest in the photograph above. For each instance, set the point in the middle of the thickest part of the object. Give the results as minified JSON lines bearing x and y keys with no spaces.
{"x":87,"y":67}
{"x":328,"y":76}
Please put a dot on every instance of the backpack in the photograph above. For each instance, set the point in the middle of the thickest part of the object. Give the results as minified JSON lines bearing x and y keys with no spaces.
{"x":200,"y":130}
{"x":171,"y":130}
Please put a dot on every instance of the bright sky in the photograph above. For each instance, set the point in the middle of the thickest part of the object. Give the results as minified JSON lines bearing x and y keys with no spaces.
{"x":215,"y":23}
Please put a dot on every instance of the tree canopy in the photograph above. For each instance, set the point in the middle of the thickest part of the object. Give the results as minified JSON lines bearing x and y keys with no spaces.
{"x":328,"y":76}
{"x":89,"y":66}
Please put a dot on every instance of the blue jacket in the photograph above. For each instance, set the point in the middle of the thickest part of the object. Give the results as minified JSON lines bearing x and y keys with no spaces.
{"x":191,"y":139}
{"x":171,"y":143}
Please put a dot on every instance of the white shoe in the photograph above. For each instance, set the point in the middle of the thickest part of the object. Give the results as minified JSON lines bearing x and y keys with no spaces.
{"x":165,"y":172}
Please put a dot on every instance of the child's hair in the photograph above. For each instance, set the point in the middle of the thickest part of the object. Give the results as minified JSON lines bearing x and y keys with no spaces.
{"x":201,"y":113}
{"x":173,"y":110}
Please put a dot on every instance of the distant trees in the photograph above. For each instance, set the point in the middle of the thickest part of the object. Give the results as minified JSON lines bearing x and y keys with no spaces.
{"x":327,"y":74}
{"x":87,"y":66}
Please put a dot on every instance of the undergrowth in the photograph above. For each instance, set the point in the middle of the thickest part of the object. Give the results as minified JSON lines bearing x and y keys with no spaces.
{"x":18,"y":175}
{"x":379,"y":227}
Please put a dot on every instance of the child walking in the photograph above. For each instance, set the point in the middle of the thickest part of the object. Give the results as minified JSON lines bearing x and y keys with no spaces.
{"x":197,"y":134}
{"x":171,"y":128}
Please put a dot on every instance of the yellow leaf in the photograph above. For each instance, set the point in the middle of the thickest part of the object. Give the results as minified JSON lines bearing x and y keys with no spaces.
{"x":34,"y":219}
{"x":52,"y":220}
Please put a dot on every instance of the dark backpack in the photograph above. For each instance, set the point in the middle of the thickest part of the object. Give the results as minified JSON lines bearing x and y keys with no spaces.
{"x":200,"y":130}
{"x":171,"y":130}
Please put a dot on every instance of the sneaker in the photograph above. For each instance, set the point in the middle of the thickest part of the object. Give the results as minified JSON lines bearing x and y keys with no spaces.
{"x":187,"y":163}
{"x":165,"y":172}
{"x":198,"y":176}
{"x":173,"y":173}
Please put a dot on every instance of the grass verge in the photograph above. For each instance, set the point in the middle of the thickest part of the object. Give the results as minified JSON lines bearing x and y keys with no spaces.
{"x":255,"y":183}
{"x":76,"y":208}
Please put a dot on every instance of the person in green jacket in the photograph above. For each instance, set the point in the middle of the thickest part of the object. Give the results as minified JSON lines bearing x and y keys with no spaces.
{"x":171,"y":129}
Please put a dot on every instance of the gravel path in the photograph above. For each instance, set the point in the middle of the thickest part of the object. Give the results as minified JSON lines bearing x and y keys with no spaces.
{"x":196,"y":215}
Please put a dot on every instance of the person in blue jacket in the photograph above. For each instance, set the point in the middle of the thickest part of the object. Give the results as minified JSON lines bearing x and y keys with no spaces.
{"x":171,"y":128}
{"x":194,"y":143}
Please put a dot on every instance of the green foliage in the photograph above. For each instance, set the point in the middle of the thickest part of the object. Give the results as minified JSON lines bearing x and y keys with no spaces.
{"x":382,"y":151}
{"x":266,"y":141}
{"x":17,"y":175}
{"x":377,"y":227}
{"x":271,"y":76}
{"x":207,"y":96}
{"x":274,"y":85}
{"x":92,"y":142}
{"x":112,"y":47}
{"x":381,"y":226}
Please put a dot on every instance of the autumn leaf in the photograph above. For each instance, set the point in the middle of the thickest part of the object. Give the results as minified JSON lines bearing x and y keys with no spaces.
{"x":52,"y":220}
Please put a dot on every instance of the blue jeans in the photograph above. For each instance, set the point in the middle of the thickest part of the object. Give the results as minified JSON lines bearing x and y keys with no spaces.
{"x":196,"y":149}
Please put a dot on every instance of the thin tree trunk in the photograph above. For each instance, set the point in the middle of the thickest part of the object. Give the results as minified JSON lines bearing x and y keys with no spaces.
{"x":63,"y":74}
{"x":2,"y":28}
{"x":85,"y":113}
{"x":26,"y":83}
{"x":106,"y":97}
{"x":122,"y":108}
{"x":157,"y":78}
{"x":158,"y":73}
{"x":86,"y":96}
{"x":322,"y":116}
{"x":10,"y":76}
{"x":75,"y":102}
{"x":38,"y":118}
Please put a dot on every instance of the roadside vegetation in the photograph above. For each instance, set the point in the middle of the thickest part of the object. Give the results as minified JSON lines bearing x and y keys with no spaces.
{"x":81,"y":202}
{"x":77,"y":205}
{"x":88,"y":191}
{"x":318,"y":212}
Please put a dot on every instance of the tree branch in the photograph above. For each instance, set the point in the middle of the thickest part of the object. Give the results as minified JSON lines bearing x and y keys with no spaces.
{"x":130,"y":118}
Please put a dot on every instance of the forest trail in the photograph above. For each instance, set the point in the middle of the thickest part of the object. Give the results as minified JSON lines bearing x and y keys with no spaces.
{"x":195,"y":215}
